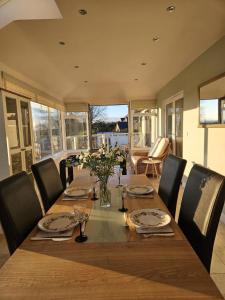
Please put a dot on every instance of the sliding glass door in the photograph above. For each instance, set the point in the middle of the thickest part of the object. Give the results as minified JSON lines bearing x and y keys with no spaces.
{"x":18,"y":130}
{"x":174,"y":126}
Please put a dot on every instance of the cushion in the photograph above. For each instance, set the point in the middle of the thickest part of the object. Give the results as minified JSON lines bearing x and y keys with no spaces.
{"x":154,"y":147}
{"x":163,"y":144}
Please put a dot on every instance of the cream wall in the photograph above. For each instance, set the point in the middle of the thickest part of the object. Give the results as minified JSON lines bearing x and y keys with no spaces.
{"x":200,"y":145}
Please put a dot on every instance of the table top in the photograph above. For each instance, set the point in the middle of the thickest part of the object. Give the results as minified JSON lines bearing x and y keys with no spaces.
{"x":152,"y":161}
{"x":136,"y":268}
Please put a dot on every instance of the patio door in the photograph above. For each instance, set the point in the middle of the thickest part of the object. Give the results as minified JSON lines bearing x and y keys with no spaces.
{"x":174,"y":126}
{"x":18,"y":130}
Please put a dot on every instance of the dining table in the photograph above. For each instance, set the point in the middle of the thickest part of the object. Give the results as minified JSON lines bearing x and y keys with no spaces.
{"x":115,"y":262}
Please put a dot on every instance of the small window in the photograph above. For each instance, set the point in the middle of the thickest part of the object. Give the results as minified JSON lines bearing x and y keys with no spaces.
{"x":209,"y":111}
{"x":223,"y":111}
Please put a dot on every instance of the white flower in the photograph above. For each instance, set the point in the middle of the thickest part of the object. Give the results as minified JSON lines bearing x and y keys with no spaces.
{"x":120,"y":159}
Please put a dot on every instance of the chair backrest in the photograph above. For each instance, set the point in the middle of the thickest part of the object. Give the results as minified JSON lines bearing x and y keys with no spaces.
{"x":161,"y":148}
{"x":20,"y":209}
{"x":48,"y":181}
{"x":201,"y":209}
{"x":172,"y":173}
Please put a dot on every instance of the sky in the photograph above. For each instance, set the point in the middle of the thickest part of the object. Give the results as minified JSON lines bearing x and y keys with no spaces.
{"x":115,"y":112}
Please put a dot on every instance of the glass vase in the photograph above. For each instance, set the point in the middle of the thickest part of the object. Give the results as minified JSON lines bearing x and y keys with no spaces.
{"x":104,"y":195}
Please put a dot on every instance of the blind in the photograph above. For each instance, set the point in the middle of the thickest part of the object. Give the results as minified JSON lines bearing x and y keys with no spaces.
{"x":141,"y":104}
{"x":76,"y":107}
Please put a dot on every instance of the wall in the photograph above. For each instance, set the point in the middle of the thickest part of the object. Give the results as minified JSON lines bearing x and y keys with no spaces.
{"x":203,"y":146}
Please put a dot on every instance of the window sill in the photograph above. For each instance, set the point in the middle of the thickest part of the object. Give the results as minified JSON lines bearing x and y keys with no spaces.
{"x":211,"y":126}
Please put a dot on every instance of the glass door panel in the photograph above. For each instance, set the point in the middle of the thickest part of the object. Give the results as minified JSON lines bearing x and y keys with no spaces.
{"x":26,"y":140}
{"x":169,"y":124}
{"x":16,"y":163}
{"x":25,"y":118}
{"x":12,"y":123}
{"x":141,"y":131}
{"x":179,"y":127}
{"x":19,"y":138}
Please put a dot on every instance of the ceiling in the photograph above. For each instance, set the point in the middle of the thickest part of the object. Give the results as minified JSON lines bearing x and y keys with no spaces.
{"x":109,"y":44}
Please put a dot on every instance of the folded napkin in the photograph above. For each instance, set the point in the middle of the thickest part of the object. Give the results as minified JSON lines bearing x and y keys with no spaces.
{"x":42,"y":235}
{"x":67,"y":198}
{"x":141,"y":196}
{"x":156,"y":231}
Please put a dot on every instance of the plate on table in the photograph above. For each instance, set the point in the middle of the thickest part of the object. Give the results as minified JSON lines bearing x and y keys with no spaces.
{"x":149,"y":217}
{"x":140,"y":189}
{"x":58,"y":222}
{"x":76,"y":192}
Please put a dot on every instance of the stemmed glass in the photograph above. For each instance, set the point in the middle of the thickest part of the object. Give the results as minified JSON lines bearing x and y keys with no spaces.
{"x":118,"y":173}
{"x":94,"y":194}
{"x":82,"y":217}
{"x":123,"y":190}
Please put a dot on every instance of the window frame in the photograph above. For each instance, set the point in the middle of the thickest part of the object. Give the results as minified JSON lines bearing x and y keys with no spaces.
{"x":88,"y":130}
{"x":52,"y":153}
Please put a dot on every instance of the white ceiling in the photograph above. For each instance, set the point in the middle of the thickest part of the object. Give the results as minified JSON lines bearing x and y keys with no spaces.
{"x":109,"y":44}
{"x":11,"y":10}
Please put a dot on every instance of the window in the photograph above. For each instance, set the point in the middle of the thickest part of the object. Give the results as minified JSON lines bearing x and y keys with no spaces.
{"x":223,"y":111}
{"x":141,"y":128}
{"x":209,"y":111}
{"x":76,"y":124}
{"x":47,"y":130}
{"x":56,"y":130}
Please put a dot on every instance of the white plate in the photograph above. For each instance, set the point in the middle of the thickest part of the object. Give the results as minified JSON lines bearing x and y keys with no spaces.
{"x":148,"y":217}
{"x":139,"y":189}
{"x":58,"y":222}
{"x":76,"y":192}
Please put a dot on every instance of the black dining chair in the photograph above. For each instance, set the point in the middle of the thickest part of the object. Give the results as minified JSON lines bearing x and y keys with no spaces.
{"x":48,"y":181}
{"x":172,"y":173}
{"x":201,"y":208}
{"x":20,"y":208}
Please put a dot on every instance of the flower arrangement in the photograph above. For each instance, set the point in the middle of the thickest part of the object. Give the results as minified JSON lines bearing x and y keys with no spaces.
{"x":101,"y":164}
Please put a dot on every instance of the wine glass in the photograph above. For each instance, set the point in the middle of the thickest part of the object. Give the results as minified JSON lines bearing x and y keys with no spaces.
{"x":82,"y":217}
{"x":123,"y":190}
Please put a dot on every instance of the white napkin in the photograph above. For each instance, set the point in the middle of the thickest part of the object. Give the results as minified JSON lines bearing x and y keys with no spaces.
{"x":158,"y":231}
{"x":42,"y":235}
{"x":66,"y":198}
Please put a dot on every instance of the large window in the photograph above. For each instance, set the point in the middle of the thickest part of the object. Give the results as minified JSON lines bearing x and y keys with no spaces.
{"x":47,"y":130}
{"x":76,"y":124}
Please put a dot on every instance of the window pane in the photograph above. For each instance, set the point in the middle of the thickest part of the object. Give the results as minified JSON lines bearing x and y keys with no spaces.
{"x":76,"y":124}
{"x":25,"y":114}
{"x":209,"y":111}
{"x":223,"y":111}
{"x":12,"y":123}
{"x":141,"y":135}
{"x":56,"y":130}
{"x":42,"y":143}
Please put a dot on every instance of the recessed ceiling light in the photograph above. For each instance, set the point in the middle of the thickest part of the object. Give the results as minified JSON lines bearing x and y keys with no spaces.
{"x":85,"y":81}
{"x":76,"y":67}
{"x":171,"y":8}
{"x":62,"y":43}
{"x":155,"y":38}
{"x":82,"y":12}
{"x":144,"y":64}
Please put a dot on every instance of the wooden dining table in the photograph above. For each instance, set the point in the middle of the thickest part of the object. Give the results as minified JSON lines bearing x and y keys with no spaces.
{"x":115,"y":263}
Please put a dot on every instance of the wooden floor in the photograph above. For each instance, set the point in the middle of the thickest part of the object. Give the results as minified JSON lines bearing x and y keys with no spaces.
{"x":218,"y":260}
